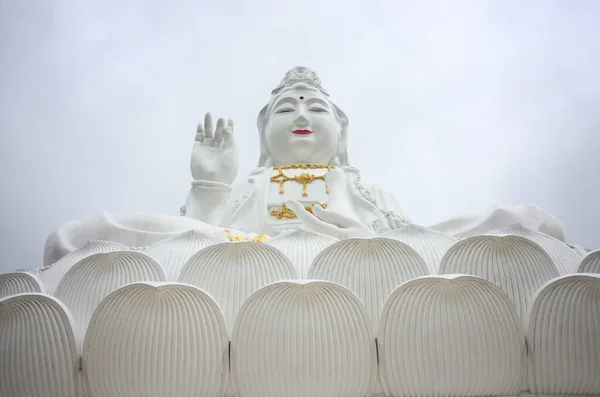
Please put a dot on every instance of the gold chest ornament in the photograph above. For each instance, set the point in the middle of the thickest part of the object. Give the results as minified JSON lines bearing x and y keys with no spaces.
{"x":303,"y":178}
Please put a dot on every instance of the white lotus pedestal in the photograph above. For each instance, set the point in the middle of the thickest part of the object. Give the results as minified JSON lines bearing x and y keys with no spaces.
{"x":415,"y":313}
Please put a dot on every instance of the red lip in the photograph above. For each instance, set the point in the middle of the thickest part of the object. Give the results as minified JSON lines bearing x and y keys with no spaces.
{"x":302,"y":132}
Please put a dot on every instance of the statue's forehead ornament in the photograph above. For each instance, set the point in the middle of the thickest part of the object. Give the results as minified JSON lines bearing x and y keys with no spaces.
{"x":300,"y":74}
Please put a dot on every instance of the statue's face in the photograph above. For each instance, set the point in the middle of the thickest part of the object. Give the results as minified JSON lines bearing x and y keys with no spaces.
{"x":302,"y":128}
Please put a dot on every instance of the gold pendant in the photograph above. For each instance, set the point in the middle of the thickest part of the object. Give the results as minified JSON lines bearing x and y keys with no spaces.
{"x":304,"y":178}
{"x":287,"y":213}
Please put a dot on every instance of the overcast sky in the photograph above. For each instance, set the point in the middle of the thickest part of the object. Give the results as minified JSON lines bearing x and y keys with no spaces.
{"x":453,"y":105}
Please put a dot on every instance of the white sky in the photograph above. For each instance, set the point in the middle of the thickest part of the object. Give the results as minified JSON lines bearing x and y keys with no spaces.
{"x":453,"y":105}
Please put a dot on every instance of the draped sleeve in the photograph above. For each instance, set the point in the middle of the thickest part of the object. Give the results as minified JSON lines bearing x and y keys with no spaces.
{"x":500,"y":216}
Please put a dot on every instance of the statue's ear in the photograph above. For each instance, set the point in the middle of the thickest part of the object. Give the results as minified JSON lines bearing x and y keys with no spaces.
{"x":342,"y":155}
{"x":342,"y":118}
{"x":261,"y":123}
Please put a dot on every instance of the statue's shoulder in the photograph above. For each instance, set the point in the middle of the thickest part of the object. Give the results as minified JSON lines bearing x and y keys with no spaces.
{"x":379,"y":197}
{"x":364,"y":187}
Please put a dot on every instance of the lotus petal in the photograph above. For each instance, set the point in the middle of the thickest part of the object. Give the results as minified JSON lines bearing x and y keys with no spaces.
{"x":591,"y":263}
{"x":516,"y":264}
{"x":301,"y":246}
{"x":156,"y":339}
{"x":564,"y":337}
{"x":450,"y":336}
{"x":429,"y":244}
{"x":18,"y":283}
{"x":40,"y":356}
{"x":371,"y":268}
{"x":90,"y":280}
{"x":564,"y":257}
{"x":230,"y":272}
{"x":174,"y":252}
{"x":52,"y":275}
{"x":303,"y":339}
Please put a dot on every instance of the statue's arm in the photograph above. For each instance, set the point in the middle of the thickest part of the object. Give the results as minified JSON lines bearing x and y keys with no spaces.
{"x":214,"y":166}
{"x":500,"y":216}
{"x":389,"y":207}
{"x":208,"y":201}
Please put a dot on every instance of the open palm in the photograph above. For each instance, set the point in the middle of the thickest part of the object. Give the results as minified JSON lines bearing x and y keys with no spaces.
{"x":214,"y":155}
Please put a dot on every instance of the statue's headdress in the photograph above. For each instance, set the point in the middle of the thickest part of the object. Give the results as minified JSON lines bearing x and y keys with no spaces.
{"x":304,"y":75}
{"x":299,"y":74}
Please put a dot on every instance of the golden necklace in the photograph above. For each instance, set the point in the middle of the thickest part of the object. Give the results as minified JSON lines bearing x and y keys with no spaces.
{"x":304,"y":178}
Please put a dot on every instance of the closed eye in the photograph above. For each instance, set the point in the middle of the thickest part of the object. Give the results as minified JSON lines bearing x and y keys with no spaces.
{"x":318,"y":110}
{"x":285,"y":110}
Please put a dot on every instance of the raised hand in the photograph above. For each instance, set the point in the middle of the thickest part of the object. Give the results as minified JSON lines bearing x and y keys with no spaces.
{"x":214,"y":155}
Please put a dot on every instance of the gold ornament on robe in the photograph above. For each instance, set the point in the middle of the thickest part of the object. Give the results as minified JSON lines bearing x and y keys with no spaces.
{"x":285,"y":212}
{"x":304,"y":178}
{"x":261,"y":238}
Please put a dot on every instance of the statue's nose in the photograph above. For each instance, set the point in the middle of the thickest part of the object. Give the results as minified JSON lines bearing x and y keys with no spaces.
{"x":301,"y":120}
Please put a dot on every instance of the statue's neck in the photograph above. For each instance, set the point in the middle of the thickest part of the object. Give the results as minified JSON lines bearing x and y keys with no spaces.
{"x":291,"y":160}
{"x":302,"y":165}
{"x":324,"y":161}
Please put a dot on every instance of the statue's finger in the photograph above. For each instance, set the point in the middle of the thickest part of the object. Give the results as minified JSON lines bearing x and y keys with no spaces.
{"x":230,"y":124}
{"x":199,"y":133}
{"x":220,"y":125}
{"x":218,"y":138}
{"x":332,"y":217}
{"x":208,"y":126}
{"x":310,"y":220}
{"x":228,"y":138}
{"x":219,"y":129}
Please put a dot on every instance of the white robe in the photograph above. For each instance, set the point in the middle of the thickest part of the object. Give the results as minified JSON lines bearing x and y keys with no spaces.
{"x":246,"y":206}
{"x":218,"y":205}
{"x":211,"y":207}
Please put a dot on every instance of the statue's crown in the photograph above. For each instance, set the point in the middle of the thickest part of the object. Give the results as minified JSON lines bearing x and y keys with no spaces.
{"x":300,"y":74}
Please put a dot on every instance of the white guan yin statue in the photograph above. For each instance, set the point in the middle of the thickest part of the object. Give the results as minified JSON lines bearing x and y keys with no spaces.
{"x":304,"y":179}
{"x":346,"y":297}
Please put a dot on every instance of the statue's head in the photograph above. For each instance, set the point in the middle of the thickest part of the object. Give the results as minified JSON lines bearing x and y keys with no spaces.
{"x":301,"y":125}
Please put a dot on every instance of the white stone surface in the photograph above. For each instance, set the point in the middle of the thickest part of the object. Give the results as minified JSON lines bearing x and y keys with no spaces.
{"x":39,"y":350}
{"x":429,"y":244}
{"x":156,"y":339}
{"x":456,"y":336}
{"x":303,"y":339}
{"x":591,"y":263}
{"x":517,"y":265}
{"x":371,"y":268}
{"x":174,"y":252}
{"x":299,"y":126}
{"x":564,"y":337}
{"x":301,"y":246}
{"x":18,"y":283}
{"x":564,"y":257}
{"x":132,"y":229}
{"x":301,"y":104}
{"x":230,"y":272}
{"x":502,"y":216}
{"x":52,"y":275}
{"x":450,"y":336}
{"x":90,"y":280}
